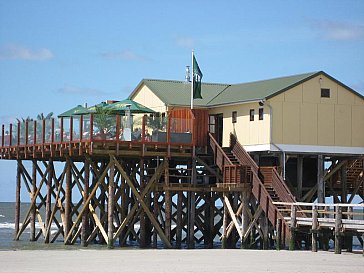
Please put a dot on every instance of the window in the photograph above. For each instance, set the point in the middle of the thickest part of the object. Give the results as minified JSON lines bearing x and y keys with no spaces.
{"x":234,"y":116}
{"x":261,"y":113}
{"x":251,"y":114}
{"x":325,"y":93}
{"x":212,"y":124}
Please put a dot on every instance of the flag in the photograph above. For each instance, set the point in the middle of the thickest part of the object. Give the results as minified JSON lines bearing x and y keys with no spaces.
{"x":196,"y":77}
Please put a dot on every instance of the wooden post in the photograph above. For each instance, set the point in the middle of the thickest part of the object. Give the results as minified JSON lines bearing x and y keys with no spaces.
{"x":299,"y":175}
{"x":17,"y":199}
{"x":142,"y":214}
{"x":349,"y":237}
{"x":338,"y":221}
{"x":265,"y":229}
{"x":314,"y":228}
{"x":110,"y":208}
{"x":192,"y":206}
{"x":168,"y":200}
{"x":245,"y":216}
{"x":320,"y":180}
{"x":34,"y":189}
{"x":67,"y":201}
{"x":155,"y":212}
{"x":292,"y":228}
{"x":49,"y":199}
{"x":279,"y":234}
{"x":224,"y":224}
{"x":179,"y":219}
{"x":85,"y":226}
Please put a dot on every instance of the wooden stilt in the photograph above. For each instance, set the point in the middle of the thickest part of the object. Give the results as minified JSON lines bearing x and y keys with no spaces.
{"x":338,"y":221}
{"x":279,"y":234}
{"x":192,"y":206}
{"x":110,"y":208}
{"x":17,"y":200}
{"x":33,"y":211}
{"x":245,"y":219}
{"x":168,"y":200}
{"x":67,"y":201}
{"x":85,"y":218}
{"x":314,"y":230}
{"x":224,"y":224}
{"x":292,"y":229}
{"x":49,"y":200}
{"x":179,"y":219}
{"x":320,"y":180}
{"x":142,"y":229}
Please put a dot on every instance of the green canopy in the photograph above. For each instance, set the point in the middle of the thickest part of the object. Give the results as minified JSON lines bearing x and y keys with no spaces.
{"x":92,"y":109}
{"x":78,"y":110}
{"x":121,"y":106}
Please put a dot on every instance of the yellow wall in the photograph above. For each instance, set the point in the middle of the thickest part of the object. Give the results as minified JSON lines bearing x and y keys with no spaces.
{"x":302,"y":117}
{"x":146,"y":97}
{"x":248,"y":132}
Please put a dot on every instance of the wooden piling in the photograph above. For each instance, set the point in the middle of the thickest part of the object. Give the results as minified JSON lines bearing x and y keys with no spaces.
{"x":110,"y":208}
{"x":179,"y":219}
{"x":292,"y":228}
{"x":314,"y":228}
{"x":224,"y":224}
{"x":168,"y":201}
{"x":338,"y":222}
{"x":17,"y":199}
{"x":67,"y":201}
{"x":85,"y":219}
{"x":49,"y":200}
{"x":33,"y":210}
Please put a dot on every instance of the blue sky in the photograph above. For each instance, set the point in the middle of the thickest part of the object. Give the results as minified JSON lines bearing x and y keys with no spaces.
{"x":57,"y":54}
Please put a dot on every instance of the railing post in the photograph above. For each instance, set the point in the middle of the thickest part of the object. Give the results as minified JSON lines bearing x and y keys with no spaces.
{"x":18,"y":138}
{"x":81,"y":127}
{"x":2,"y":135}
{"x":35,"y":133}
{"x":10,"y":134}
{"x":91,"y":126}
{"x":314,"y":228}
{"x":292,"y":228}
{"x":338,"y":221}
{"x":43,"y":131}
{"x":52,"y":133}
{"x":117,"y":137}
{"x":143,"y":128}
{"x":26,"y":132}
{"x":71,"y":129}
{"x":61,"y":139}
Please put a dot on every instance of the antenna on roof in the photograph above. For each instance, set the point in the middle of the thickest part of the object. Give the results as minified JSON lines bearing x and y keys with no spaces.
{"x":187,"y":76}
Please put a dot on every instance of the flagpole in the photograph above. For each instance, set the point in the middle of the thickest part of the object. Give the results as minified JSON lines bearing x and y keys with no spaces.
{"x":192,"y":83}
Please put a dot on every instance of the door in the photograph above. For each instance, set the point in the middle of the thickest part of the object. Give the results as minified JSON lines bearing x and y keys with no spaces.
{"x":216,"y":127}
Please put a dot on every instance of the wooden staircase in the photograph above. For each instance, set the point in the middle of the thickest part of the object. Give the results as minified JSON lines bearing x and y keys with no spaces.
{"x":267,"y":185}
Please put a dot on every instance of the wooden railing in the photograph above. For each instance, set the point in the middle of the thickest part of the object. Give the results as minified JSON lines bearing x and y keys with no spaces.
{"x":221,"y":159}
{"x":237,"y":174}
{"x":281,"y":188}
{"x":88,"y":128}
{"x":259,"y":191}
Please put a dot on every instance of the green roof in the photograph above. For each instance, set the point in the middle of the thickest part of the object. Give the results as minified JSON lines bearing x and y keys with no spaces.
{"x":214,"y":94}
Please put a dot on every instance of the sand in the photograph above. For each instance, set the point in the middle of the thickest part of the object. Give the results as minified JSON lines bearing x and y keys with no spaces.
{"x":171,"y":261}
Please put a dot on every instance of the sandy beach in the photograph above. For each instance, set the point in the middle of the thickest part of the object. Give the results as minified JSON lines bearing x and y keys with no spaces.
{"x":219,"y":261}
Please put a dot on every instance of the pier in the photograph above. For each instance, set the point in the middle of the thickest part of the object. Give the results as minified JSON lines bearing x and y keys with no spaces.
{"x":173,"y":184}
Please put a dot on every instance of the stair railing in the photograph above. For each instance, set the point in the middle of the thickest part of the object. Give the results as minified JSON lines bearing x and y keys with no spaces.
{"x":220,"y":157}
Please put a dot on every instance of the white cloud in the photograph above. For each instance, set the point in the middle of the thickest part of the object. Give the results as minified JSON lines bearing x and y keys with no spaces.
{"x":73,"y":90}
{"x":334,"y":30}
{"x":186,"y":42}
{"x":126,"y":55}
{"x":15,"y":52}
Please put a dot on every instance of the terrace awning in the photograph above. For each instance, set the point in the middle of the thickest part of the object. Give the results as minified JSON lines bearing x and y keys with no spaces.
{"x":121,"y":106}
{"x":78,"y":110}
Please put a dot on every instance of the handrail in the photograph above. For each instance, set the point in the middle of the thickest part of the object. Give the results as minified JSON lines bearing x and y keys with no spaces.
{"x":239,"y":151}
{"x":220,"y":156}
{"x":281,"y":188}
